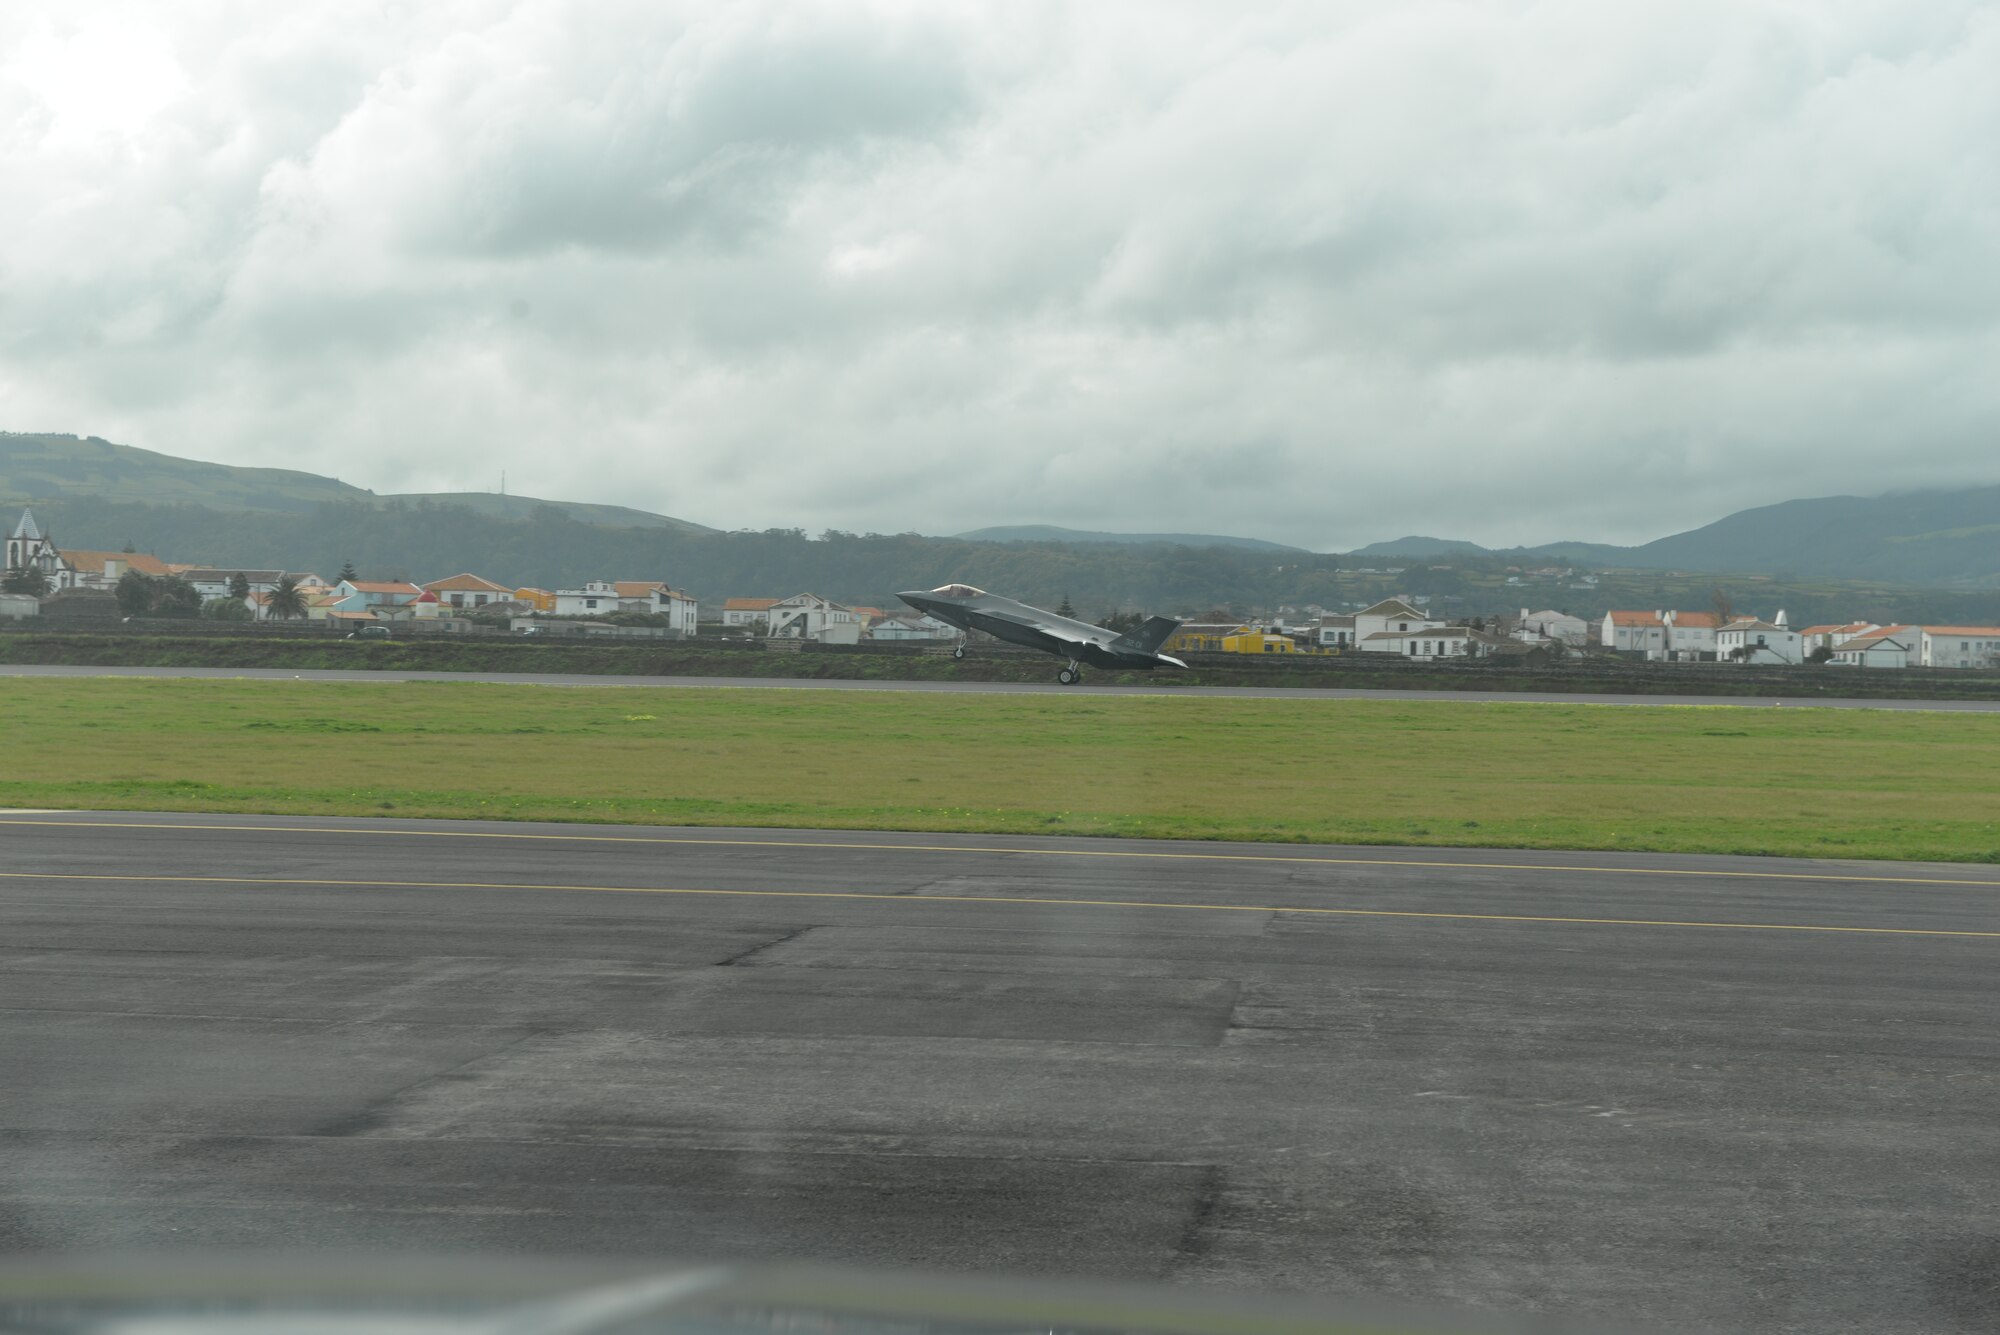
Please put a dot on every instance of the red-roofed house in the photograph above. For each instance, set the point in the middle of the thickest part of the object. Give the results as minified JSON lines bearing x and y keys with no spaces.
{"x":1635,"y":632}
{"x":747,"y":611}
{"x":467,"y":590}
{"x":1886,"y":650}
{"x":1960,"y":646}
{"x":1690,"y":635}
{"x":365,"y":595}
{"x":1814,"y":638}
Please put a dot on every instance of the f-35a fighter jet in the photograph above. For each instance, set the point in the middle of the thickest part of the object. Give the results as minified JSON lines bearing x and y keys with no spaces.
{"x":1077,"y":642}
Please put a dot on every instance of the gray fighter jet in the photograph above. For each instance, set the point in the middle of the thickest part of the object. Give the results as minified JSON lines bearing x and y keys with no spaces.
{"x":1078,"y":642}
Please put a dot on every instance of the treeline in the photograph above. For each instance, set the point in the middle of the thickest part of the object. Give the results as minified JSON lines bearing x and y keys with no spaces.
{"x":551,"y":550}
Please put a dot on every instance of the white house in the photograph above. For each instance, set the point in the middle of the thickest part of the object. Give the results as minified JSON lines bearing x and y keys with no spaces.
{"x":365,"y":595}
{"x":595,"y":598}
{"x":1550,"y":624}
{"x":1433,"y":641}
{"x":1336,"y":632}
{"x":657,"y":599}
{"x":1815,"y":638}
{"x":1912,"y":639}
{"x":1750,"y":640}
{"x":1635,"y":632}
{"x":747,"y":611}
{"x":807,"y":616}
{"x":909,"y":626}
{"x":469,"y":590}
{"x":600,"y":597}
{"x":212,"y":583}
{"x":1391,"y":616}
{"x":1874,"y":651}
{"x":1960,"y":646}
{"x":1690,"y":635}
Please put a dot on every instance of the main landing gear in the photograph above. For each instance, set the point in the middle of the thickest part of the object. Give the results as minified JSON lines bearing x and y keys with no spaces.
{"x":958,"y":650}
{"x":1070,"y":675}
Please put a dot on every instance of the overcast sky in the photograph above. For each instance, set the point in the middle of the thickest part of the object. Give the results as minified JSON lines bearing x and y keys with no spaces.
{"x":1324,"y":273}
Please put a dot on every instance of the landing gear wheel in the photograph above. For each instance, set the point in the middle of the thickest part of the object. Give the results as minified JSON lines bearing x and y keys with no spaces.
{"x":1069,"y":676}
{"x":958,"y":651}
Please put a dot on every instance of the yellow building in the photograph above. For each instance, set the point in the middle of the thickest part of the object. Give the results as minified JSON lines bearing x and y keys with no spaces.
{"x":1201,"y":637}
{"x":540,"y":599}
{"x":1257,"y":642}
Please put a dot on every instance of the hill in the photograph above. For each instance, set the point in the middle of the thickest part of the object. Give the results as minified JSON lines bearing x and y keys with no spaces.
{"x":523,"y":507}
{"x":1926,"y":538}
{"x":1051,"y":533}
{"x":1916,"y":537}
{"x":94,"y":494}
{"x":1415,"y":546}
{"x":43,"y":467}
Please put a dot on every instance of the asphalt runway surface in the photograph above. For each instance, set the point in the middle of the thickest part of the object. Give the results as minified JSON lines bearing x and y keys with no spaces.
{"x":1713,"y":1093}
{"x":1162,"y":685}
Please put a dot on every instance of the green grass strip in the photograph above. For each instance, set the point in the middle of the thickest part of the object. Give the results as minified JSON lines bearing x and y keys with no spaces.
{"x":1805,"y":782}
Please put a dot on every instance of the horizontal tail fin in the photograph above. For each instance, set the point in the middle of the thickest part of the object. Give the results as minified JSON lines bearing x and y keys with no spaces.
{"x":1148,"y":638}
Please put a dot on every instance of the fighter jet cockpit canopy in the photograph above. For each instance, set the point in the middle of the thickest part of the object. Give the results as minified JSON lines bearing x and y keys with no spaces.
{"x":958,"y":591}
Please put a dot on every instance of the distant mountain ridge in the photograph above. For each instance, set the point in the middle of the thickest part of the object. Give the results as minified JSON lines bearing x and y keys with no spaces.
{"x":1936,"y":537}
{"x":1051,"y":533}
{"x":39,"y":466}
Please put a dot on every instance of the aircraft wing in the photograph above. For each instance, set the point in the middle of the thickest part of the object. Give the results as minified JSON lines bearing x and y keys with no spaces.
{"x":1025,"y":630}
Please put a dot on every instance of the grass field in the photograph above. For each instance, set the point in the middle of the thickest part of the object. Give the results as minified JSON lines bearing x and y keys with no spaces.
{"x":1812,"y":782}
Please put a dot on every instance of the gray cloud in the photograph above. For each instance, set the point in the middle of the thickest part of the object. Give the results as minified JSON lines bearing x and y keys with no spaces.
{"x":1325,"y":274}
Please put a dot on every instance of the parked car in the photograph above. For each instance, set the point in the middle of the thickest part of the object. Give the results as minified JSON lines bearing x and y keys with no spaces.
{"x":368,"y":633}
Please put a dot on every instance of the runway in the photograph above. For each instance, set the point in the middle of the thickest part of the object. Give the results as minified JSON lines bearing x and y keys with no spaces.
{"x":1715,"y":1093}
{"x":1163,"y":684}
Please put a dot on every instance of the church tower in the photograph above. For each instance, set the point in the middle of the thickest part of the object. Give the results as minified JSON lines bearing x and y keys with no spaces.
{"x":28,"y":545}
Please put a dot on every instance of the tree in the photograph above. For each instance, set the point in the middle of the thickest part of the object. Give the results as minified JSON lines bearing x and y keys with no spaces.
{"x":239,"y":586}
{"x":175,"y":597}
{"x":32,"y":580}
{"x":1821,"y":654}
{"x":142,"y":595}
{"x":346,"y":572}
{"x":134,"y":593}
{"x":1063,"y":609}
{"x":286,"y":602}
{"x":1725,"y":610}
{"x":226,"y":609}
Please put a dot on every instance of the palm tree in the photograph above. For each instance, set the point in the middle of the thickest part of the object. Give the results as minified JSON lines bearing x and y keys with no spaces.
{"x":286,"y":602}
